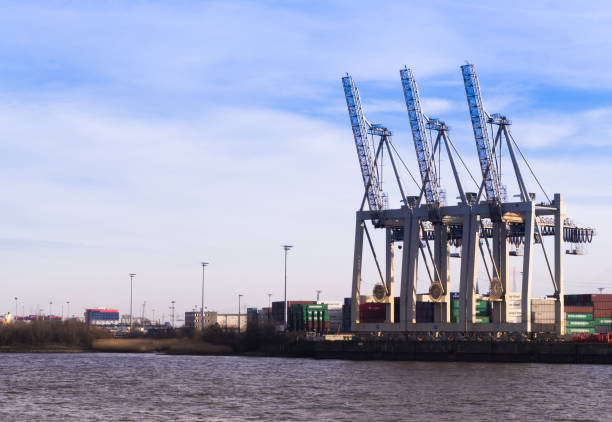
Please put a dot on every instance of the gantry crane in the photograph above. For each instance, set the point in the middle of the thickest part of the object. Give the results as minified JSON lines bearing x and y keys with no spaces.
{"x":419,"y":123}
{"x":469,"y":224}
{"x":524,"y":219}
{"x":374,"y":196}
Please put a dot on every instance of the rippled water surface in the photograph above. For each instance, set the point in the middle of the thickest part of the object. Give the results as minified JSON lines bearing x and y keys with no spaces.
{"x":133,"y":387}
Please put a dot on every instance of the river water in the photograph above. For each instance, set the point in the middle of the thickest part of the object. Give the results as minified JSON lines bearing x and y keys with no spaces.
{"x":149,"y":387}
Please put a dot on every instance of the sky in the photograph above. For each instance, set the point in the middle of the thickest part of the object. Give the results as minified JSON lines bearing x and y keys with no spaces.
{"x":147,"y":136}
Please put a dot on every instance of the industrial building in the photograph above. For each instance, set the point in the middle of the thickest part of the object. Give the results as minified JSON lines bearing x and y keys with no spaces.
{"x":193,"y":319}
{"x":226,"y":321}
{"x":101,"y":316}
{"x":483,"y":227}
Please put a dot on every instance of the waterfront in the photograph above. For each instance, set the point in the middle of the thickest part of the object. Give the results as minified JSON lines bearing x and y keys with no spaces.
{"x":131,"y":387}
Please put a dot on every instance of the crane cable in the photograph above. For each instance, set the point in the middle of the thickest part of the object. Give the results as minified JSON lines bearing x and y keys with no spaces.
{"x":529,"y":167}
{"x":463,"y":162}
{"x":404,"y":164}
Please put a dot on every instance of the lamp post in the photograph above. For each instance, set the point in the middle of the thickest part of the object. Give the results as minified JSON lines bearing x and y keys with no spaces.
{"x":204,"y":264}
{"x":16,"y":306}
{"x":239,"y":296}
{"x":131,"y":296}
{"x":172,"y":308}
{"x":269,"y":300}
{"x":286,"y":248}
{"x":68,"y":311}
{"x":50,"y":310}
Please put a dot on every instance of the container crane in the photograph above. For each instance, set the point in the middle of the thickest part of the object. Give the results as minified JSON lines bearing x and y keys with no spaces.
{"x":374,"y":196}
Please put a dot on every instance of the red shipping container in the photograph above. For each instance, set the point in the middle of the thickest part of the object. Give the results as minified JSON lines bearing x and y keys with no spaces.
{"x":372,"y":306}
{"x":579,"y":309}
{"x":602,"y":313}
{"x":601,"y":298}
{"x":602,"y":305}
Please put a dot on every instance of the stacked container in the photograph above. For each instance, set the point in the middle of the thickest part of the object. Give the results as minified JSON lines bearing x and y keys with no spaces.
{"x":602,"y":313}
{"x":346,"y":315}
{"x":514,"y":307}
{"x":334,"y":310}
{"x":372,"y":312}
{"x":579,"y":314}
{"x":483,"y":310}
{"x":309,"y":317}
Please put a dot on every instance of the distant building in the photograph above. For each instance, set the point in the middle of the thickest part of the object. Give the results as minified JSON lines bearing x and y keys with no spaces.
{"x":225,"y":321}
{"x":101,"y":316}
{"x":193,"y":319}
{"x":230,"y":321}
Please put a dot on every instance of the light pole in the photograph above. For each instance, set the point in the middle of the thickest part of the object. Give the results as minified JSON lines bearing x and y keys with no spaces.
{"x":239,"y":296}
{"x":68,"y":311}
{"x":50,"y":310}
{"x":131,"y":296}
{"x":269,"y":300}
{"x":16,"y":306}
{"x":204,"y":264}
{"x":173,"y":302}
{"x":286,"y":248}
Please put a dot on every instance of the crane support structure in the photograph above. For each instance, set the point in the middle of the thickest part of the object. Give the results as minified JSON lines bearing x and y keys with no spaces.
{"x":479,"y":124}
{"x":419,"y":134}
{"x":364,"y":150}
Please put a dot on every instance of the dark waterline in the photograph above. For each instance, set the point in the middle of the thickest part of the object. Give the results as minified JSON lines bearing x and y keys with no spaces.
{"x":135,"y":387}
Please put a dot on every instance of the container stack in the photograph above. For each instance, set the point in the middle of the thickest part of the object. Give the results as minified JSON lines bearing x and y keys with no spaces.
{"x":579,"y":314}
{"x":543,"y":315}
{"x":309,"y":317}
{"x":334,"y":309}
{"x":372,"y":312}
{"x":483,"y":310}
{"x":514,"y":307}
{"x":602,"y":313}
{"x":424,"y":312}
{"x":346,"y":315}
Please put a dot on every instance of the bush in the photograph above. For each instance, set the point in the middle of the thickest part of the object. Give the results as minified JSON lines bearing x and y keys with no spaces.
{"x":41,"y":332}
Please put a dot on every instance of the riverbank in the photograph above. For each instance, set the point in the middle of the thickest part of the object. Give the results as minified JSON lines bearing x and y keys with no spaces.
{"x":172,"y":346}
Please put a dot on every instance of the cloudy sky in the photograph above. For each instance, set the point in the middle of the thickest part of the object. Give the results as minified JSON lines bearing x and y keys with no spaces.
{"x":148,"y":136}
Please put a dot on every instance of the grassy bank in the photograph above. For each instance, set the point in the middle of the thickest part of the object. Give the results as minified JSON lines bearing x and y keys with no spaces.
{"x":49,"y":336}
{"x":74,"y":336}
{"x":171,"y":346}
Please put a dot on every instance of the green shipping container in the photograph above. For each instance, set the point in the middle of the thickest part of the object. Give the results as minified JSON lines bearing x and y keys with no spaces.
{"x":585,"y":324}
{"x":603,"y":321}
{"x":581,"y":331}
{"x":480,"y":319}
{"x":578,"y":317}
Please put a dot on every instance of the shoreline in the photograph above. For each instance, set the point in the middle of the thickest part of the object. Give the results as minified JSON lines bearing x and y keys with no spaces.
{"x":428,"y":350}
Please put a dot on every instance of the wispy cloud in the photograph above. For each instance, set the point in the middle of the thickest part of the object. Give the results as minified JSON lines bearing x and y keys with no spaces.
{"x":168,"y":133}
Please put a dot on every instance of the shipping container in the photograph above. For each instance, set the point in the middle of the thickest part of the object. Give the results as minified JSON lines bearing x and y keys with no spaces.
{"x":579,"y":309}
{"x":580,"y":316}
{"x":579,"y":300}
{"x":603,"y":328}
{"x":587,"y":324}
{"x":603,"y":321}
{"x":602,"y":313}
{"x":602,"y":305}
{"x":581,"y":331}
{"x":604,"y":297}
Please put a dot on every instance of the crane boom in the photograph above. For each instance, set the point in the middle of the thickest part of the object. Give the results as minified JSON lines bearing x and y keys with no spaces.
{"x":419,"y":134}
{"x":364,"y":151}
{"x":479,"y":124}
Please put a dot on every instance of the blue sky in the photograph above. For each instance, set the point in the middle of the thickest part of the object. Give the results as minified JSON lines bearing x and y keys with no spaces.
{"x":148,"y":136}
